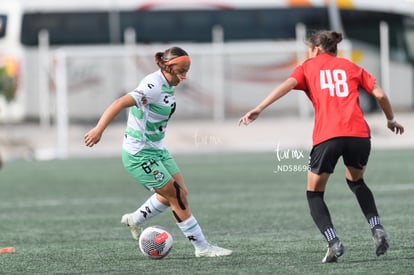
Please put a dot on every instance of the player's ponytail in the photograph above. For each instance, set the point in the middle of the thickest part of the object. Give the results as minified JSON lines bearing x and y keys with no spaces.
{"x":162,"y":58}
{"x":159,"y":59}
{"x":327,"y":40}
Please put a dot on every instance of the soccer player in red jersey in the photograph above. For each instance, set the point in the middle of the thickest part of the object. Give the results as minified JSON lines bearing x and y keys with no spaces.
{"x":331,"y":83}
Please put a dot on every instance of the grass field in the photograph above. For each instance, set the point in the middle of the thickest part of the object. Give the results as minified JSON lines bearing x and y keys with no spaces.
{"x":63,"y":217}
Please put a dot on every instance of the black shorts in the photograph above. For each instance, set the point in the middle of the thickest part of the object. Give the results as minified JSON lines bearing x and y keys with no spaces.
{"x":354,"y":151}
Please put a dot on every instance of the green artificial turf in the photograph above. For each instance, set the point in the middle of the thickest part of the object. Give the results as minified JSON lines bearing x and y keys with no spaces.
{"x":63,"y":217}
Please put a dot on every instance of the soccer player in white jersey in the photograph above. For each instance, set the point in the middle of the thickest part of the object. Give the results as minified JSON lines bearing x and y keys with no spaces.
{"x":151,"y":105}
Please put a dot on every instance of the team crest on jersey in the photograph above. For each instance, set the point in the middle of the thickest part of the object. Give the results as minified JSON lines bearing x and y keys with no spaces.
{"x":158,"y":175}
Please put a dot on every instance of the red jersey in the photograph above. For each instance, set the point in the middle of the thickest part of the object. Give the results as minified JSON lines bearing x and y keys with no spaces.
{"x":331,"y":83}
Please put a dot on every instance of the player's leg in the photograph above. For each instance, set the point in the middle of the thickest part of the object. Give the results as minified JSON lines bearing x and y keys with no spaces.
{"x":355,"y":158}
{"x":153,"y":206}
{"x":175,"y":191}
{"x":149,"y":171}
{"x":322,"y":161}
{"x":321,"y":216}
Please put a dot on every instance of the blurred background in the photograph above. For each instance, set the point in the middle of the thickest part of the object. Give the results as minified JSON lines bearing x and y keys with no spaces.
{"x":63,"y":62}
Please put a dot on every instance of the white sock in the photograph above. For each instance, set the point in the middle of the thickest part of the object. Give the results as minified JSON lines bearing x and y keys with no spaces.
{"x":193,"y":232}
{"x":148,"y":210}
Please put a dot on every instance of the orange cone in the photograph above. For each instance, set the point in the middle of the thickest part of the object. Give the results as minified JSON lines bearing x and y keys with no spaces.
{"x":5,"y":250}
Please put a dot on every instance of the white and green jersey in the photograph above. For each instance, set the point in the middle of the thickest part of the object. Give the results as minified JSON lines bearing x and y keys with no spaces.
{"x":147,"y":120}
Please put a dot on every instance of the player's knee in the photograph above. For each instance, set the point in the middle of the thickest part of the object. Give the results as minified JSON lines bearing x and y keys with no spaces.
{"x":354,"y":185}
{"x":163,"y":200}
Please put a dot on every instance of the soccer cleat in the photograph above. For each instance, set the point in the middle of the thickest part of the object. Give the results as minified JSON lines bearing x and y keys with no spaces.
{"x":380,"y":241}
{"x":213,"y":251}
{"x":135,"y":229}
{"x":334,"y":252}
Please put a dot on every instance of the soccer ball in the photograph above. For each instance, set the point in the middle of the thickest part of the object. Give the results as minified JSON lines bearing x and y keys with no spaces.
{"x":155,"y":242}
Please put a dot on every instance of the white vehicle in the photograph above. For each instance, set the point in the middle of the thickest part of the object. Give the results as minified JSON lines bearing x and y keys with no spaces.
{"x":89,"y":25}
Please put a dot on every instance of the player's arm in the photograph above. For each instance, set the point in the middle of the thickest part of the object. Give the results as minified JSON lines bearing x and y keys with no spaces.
{"x":277,"y":93}
{"x":94,"y":135}
{"x":386,"y":107}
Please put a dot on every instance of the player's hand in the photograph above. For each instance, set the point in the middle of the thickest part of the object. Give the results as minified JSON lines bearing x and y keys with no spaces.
{"x":395,"y":127}
{"x":92,"y":137}
{"x":249,"y":117}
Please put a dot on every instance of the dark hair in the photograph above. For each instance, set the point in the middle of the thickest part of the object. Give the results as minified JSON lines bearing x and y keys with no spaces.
{"x":327,"y":40}
{"x":167,"y":55}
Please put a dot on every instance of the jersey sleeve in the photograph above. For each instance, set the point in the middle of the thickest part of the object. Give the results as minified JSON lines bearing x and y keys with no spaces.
{"x":299,"y":74}
{"x":147,"y":91}
{"x":367,"y":81}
